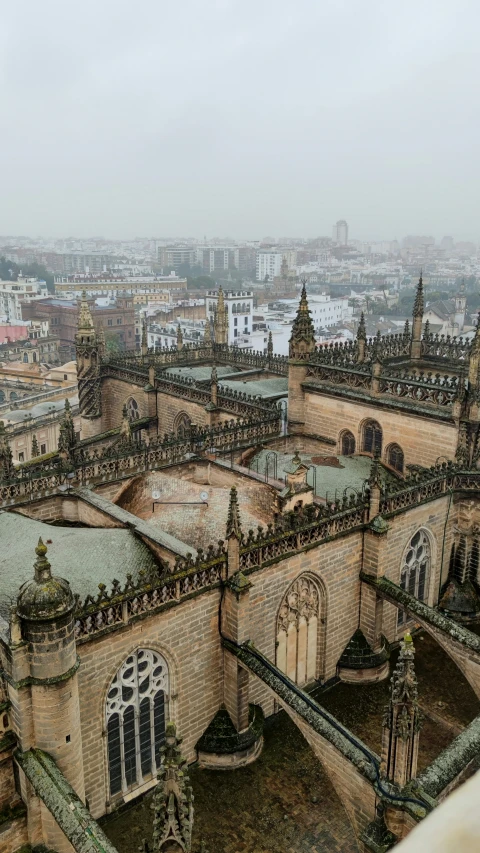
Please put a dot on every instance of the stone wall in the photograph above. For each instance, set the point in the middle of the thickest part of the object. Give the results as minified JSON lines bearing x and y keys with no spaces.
{"x":115,"y":395}
{"x":329,"y":416}
{"x":188,"y":638}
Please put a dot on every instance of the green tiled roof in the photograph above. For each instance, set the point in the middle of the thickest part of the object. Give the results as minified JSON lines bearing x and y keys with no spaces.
{"x":83,"y":556}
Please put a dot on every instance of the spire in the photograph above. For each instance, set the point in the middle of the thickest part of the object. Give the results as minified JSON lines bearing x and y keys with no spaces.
{"x":234,"y":527}
{"x":270,"y":345}
{"x":302,"y":339}
{"x":419,"y":304}
{"x":361,"y":331}
{"x":7,"y":468}
{"x":41,"y":565}
{"x":172,"y":799}
{"x":101,"y":339}
{"x":402,"y":720}
{"x":144,"y":344}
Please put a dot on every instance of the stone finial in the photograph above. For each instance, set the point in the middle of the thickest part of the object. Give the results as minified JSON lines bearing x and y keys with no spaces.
{"x":144,"y":344}
{"x":419,"y":304}
{"x":402,"y":720}
{"x":35,"y":448}
{"x":85,"y":320}
{"x":221,"y":324}
{"x":234,"y":527}
{"x":66,"y":438}
{"x":7,"y":468}
{"x":406,"y":329}
{"x":172,"y":799}
{"x":208,"y":332}
{"x":41,"y":565}
{"x":214,"y":387}
{"x":125,"y":428}
{"x":361,"y":331}
{"x":102,"y":345}
{"x":302,"y":339}
{"x":270,"y":345}
{"x":179,"y":337}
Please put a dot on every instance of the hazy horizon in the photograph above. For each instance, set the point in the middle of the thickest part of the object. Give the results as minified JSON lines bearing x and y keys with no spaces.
{"x":239,"y":118}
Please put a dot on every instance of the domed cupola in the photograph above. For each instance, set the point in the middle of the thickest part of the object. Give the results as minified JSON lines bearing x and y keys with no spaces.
{"x":44,"y":597}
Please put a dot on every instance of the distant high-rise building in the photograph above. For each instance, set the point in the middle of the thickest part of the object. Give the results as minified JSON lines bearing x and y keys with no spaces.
{"x":340,"y":232}
{"x":447,"y":244}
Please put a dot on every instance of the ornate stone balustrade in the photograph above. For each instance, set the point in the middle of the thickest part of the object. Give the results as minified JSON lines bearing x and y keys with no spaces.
{"x":170,"y":356}
{"x":445,"y":346}
{"x":418,"y":386}
{"x":95,"y":465}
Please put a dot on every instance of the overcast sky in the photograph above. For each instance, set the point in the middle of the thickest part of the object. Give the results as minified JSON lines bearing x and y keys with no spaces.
{"x":240,"y":117}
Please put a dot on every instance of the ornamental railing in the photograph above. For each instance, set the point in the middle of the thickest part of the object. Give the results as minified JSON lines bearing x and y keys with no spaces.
{"x":428,"y":485}
{"x":419,"y":386}
{"x":87,"y":466}
{"x":445,"y":346}
{"x":230,"y":400}
{"x":197,"y":351}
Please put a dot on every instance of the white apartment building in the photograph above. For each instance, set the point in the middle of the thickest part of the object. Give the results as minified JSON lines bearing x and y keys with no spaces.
{"x":328,"y":312}
{"x":10,"y":308}
{"x":239,"y":305}
{"x":268,"y":265}
{"x":26,"y":288}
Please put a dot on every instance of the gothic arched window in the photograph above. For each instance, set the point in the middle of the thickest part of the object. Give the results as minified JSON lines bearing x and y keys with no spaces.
{"x":182,"y":425}
{"x":132,"y":409}
{"x":372,"y":437}
{"x":297,"y":631}
{"x":395,"y":457}
{"x":135,"y":717}
{"x":347,"y":443}
{"x":416,"y":568}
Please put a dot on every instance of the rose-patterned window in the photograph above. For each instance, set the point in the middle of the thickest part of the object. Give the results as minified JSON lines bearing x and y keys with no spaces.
{"x":297,"y":631}
{"x":135,"y":716}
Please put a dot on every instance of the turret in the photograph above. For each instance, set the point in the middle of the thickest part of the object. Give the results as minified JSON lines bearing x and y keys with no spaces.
{"x":88,"y":371}
{"x":302,"y":339}
{"x":46,"y":656}
{"x":418,"y":311}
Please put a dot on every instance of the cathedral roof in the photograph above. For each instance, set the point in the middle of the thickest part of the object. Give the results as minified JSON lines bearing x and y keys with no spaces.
{"x":85,"y":557}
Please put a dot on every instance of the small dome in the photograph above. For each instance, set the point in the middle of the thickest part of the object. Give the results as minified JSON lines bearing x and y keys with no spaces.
{"x":45,"y":596}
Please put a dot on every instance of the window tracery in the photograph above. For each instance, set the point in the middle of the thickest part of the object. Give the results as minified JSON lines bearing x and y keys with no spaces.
{"x":135,"y":716}
{"x":415,"y":570}
{"x":297,"y":631}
